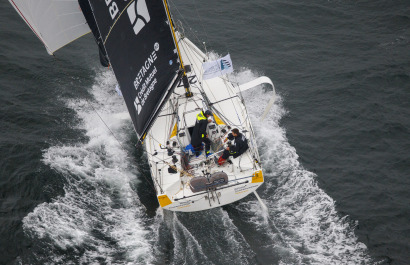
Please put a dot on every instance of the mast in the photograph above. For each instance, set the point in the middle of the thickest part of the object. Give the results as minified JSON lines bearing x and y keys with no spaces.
{"x":185,"y":81}
{"x":141,"y":49}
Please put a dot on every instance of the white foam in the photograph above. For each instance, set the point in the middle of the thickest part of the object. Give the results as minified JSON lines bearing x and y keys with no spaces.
{"x":99,"y":216}
{"x":208,"y":237}
{"x":299,"y":211}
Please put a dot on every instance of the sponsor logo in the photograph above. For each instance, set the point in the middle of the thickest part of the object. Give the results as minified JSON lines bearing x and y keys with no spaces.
{"x":146,"y":79}
{"x":217,"y":68}
{"x":112,"y":8}
{"x":245,"y":188}
{"x":192,"y":80}
{"x":241,"y":189}
{"x":144,"y":69}
{"x":137,"y":105}
{"x":225,"y":64}
{"x":138,"y":14}
{"x":182,"y":205}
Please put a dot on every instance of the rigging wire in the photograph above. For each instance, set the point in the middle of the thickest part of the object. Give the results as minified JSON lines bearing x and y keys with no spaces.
{"x":235,"y":86}
{"x":201,"y":22}
{"x":225,"y":79}
{"x":105,"y":124}
{"x":184,"y":21}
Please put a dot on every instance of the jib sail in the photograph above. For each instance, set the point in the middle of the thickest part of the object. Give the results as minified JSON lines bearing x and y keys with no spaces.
{"x":141,"y":49}
{"x":55,"y":23}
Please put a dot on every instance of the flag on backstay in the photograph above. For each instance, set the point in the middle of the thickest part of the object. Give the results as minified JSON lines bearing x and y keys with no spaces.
{"x":217,"y":68}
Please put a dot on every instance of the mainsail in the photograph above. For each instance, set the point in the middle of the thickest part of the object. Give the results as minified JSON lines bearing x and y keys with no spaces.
{"x":55,"y":23}
{"x":134,"y":36}
{"x":141,"y":49}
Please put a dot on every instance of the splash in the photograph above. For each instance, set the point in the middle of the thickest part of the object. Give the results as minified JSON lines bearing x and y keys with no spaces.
{"x":208,"y":237}
{"x":298,"y":225}
{"x":301,"y":214}
{"x":99,"y":217}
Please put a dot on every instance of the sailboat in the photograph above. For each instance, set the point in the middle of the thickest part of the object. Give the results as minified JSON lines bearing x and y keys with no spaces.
{"x":161,"y":77}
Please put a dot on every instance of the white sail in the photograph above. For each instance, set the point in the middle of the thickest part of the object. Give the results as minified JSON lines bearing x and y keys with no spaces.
{"x":55,"y":22}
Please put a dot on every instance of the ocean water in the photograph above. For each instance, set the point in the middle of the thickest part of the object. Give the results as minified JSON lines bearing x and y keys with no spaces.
{"x":335,"y":147}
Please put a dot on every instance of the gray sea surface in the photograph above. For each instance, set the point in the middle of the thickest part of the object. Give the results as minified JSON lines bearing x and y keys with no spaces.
{"x":335,"y":148}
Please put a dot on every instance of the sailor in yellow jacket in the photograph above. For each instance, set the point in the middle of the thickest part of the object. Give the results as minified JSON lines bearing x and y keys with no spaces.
{"x":199,"y":134}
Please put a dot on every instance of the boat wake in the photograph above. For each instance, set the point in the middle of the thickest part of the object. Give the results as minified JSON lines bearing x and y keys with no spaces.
{"x":301,"y":214}
{"x":208,"y":237}
{"x":297,"y":223}
{"x":100,"y":219}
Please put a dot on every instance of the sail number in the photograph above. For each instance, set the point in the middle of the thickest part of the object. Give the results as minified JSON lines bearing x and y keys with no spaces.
{"x":192,"y":80}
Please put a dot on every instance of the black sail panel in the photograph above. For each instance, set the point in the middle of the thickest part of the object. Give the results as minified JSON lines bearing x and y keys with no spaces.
{"x":86,"y":9}
{"x":142,"y":52}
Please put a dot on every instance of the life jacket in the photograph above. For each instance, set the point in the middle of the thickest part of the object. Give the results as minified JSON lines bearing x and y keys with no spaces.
{"x":199,"y":132}
{"x":201,"y":117}
{"x":240,"y":145}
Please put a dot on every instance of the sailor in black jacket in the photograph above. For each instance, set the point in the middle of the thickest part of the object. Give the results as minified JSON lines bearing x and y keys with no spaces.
{"x":199,"y":134}
{"x":237,"y":148}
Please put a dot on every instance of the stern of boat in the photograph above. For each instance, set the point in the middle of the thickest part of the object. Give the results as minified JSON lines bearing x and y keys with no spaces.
{"x":229,"y":192}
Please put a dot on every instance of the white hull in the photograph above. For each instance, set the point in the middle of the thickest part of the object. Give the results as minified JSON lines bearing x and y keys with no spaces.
{"x":171,"y":168}
{"x":170,"y":177}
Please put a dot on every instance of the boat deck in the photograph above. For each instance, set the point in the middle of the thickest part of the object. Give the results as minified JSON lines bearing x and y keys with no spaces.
{"x":172,"y":168}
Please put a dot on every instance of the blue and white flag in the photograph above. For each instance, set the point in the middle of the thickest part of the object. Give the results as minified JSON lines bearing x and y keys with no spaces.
{"x":217,"y":68}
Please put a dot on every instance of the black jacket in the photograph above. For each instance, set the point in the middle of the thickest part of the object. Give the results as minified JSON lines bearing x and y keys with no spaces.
{"x":199,"y":131}
{"x":239,"y":146}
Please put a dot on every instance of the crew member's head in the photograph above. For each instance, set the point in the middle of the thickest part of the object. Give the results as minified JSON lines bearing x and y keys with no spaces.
{"x":208,"y":113}
{"x":235,"y":132}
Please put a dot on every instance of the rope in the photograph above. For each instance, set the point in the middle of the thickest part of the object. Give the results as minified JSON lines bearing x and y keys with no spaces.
{"x":200,"y":19}
{"x":164,"y":161}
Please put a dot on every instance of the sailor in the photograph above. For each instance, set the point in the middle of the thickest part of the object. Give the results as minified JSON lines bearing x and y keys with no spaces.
{"x":199,"y":134}
{"x":235,"y":149}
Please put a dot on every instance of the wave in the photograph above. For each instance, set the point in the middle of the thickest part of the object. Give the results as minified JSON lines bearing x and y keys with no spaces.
{"x":299,"y":213}
{"x":100,"y":219}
